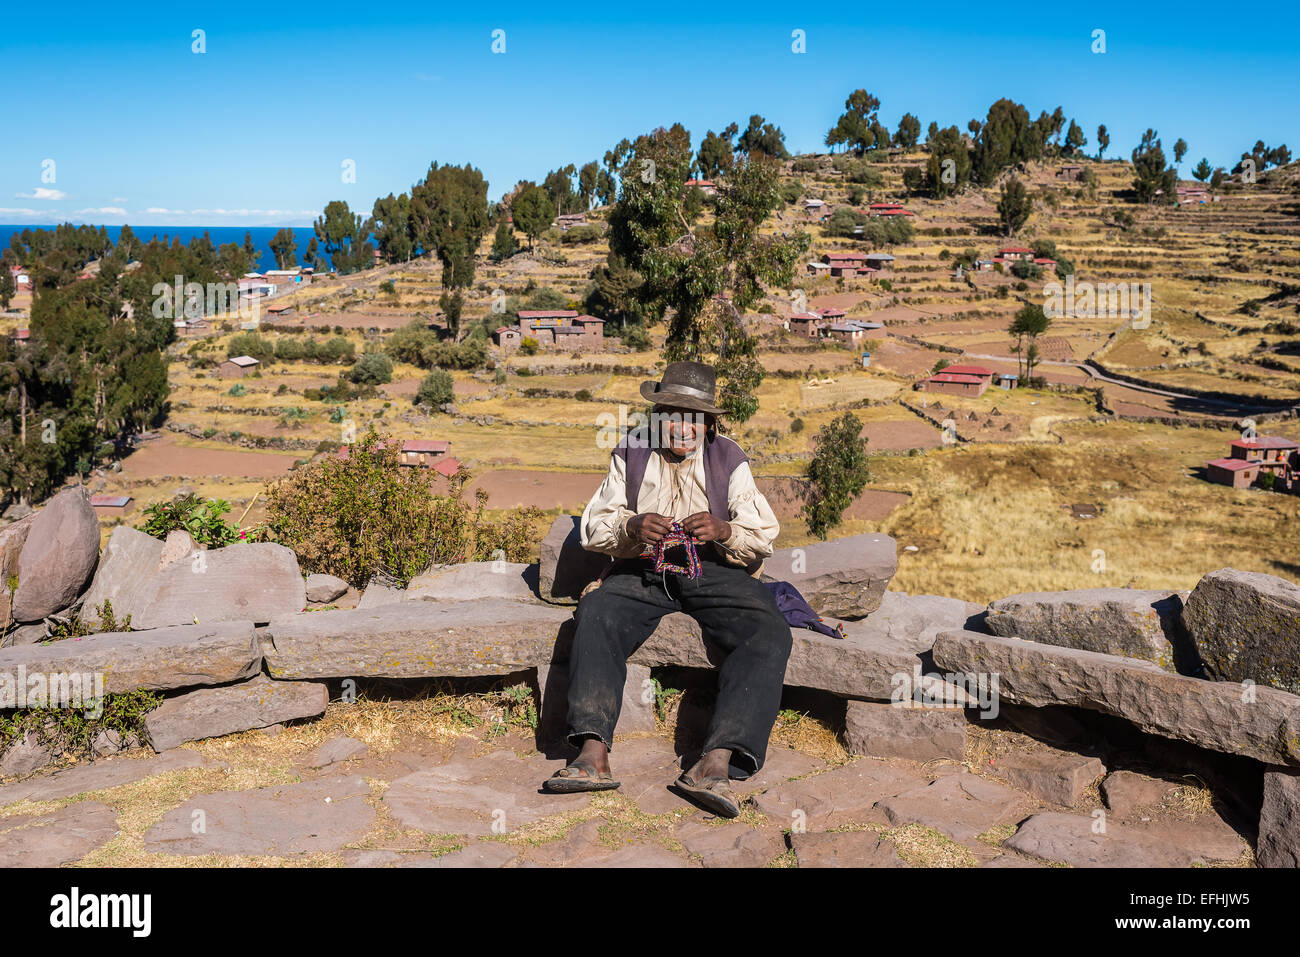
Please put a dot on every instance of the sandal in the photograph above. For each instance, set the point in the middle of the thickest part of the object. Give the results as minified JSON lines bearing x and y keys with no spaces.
{"x":579,"y":776}
{"x":712,"y":794}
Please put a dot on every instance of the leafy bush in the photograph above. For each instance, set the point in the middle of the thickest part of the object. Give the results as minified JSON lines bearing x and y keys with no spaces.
{"x":1026,"y":270}
{"x":373,"y":368}
{"x":238,"y":389}
{"x":196,"y":515}
{"x":251,"y":344}
{"x":367,"y":514}
{"x":581,"y":234}
{"x":435,"y":389}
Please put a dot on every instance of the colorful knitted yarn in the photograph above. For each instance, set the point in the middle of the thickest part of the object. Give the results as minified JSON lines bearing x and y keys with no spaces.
{"x":677,"y":536}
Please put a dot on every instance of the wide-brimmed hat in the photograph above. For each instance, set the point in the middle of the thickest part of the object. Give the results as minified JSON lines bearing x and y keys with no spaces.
{"x":688,"y":385}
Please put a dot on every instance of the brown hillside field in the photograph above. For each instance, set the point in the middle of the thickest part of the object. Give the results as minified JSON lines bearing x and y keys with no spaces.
{"x":988,"y":516}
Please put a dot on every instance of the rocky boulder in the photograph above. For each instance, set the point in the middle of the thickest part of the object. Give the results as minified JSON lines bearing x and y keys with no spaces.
{"x":324,"y":588}
{"x":58,"y":557}
{"x":566,"y":567}
{"x":470,"y":581}
{"x":844,"y":578}
{"x":12,"y":538}
{"x":1246,"y":627}
{"x":125,"y":577}
{"x":1113,"y":621}
{"x":247,"y":582}
{"x":1264,"y":724}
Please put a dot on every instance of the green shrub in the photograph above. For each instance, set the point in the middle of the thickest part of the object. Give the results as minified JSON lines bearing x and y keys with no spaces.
{"x":373,"y":368}
{"x":436,"y":389}
{"x":196,"y":515}
{"x":365,"y":515}
{"x":238,"y":389}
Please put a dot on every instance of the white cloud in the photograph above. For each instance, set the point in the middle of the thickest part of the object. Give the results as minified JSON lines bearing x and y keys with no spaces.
{"x":11,"y":211}
{"x":159,"y":210}
{"x":102,"y":211}
{"x":118,"y":199}
{"x":40,"y":192}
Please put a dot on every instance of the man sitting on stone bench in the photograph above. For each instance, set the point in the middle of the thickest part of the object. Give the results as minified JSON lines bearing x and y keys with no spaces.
{"x":679,"y":470}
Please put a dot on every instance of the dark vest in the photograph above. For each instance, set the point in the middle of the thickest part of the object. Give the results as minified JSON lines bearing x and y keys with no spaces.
{"x":721,"y":457}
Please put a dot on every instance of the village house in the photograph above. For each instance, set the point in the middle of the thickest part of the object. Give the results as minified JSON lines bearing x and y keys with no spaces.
{"x":20,"y":337}
{"x":417,"y":453}
{"x":564,"y":328}
{"x":707,"y":186}
{"x":806,"y":324}
{"x":1010,"y":254}
{"x":109,"y":505}
{"x":1236,"y":473}
{"x":853,"y":331}
{"x":831,"y":314}
{"x":507,"y":337}
{"x":238,"y":367}
{"x":952,"y":383}
{"x":1070,"y":173}
{"x":422,"y":452}
{"x":1250,"y":459}
{"x":888,"y":209}
{"x":817,"y":210}
{"x":567,"y":221}
{"x":1008,"y":380}
{"x":819,"y":269}
{"x":22,"y":280}
{"x":1193,"y":195}
{"x":847,"y":265}
{"x":283,"y":279}
{"x":880,"y":262}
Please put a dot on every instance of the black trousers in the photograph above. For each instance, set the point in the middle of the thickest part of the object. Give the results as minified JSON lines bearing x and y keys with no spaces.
{"x":734,"y":610}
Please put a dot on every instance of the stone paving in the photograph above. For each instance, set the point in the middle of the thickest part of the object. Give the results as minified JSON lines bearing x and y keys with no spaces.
{"x":479,"y":804}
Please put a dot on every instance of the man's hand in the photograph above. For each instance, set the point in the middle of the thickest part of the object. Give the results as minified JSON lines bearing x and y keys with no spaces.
{"x":649,"y":527}
{"x":705,"y":527}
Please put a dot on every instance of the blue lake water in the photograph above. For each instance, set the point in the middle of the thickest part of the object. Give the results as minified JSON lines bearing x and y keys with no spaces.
{"x":220,"y":235}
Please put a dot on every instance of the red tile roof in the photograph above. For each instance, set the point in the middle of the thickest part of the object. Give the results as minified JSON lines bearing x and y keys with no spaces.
{"x":447,"y":466}
{"x":1013,"y":249}
{"x":947,"y":377}
{"x":1266,"y":442}
{"x":1234,"y":465}
{"x":426,"y":445}
{"x":547,"y":313}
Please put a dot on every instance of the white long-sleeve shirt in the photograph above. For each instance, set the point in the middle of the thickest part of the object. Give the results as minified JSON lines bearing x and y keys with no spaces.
{"x":677,"y":490}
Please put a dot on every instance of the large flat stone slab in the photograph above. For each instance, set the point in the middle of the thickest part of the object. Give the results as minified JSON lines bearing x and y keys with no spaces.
{"x":1127,"y":792}
{"x":877,"y":659}
{"x":212,"y":712}
{"x":1079,"y":840}
{"x":1246,"y":627}
{"x":415,"y":640}
{"x":471,"y":581}
{"x":252,"y":582}
{"x":1114,"y":621}
{"x":283,"y":820}
{"x":157,"y":660}
{"x":1260,"y":723}
{"x":844,"y":849}
{"x":12,"y":538}
{"x":101,"y":775}
{"x":1279,"y":820}
{"x":51,"y":840}
{"x":125,"y":576}
{"x":961,"y":805}
{"x":729,"y":844}
{"x":845,"y":578}
{"x":845,"y":795}
{"x":913,"y":732}
{"x":565,"y":567}
{"x":1055,"y":776}
{"x":472,"y":795}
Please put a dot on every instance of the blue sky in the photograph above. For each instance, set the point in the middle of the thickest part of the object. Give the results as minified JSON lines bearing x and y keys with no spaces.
{"x":255,"y":130}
